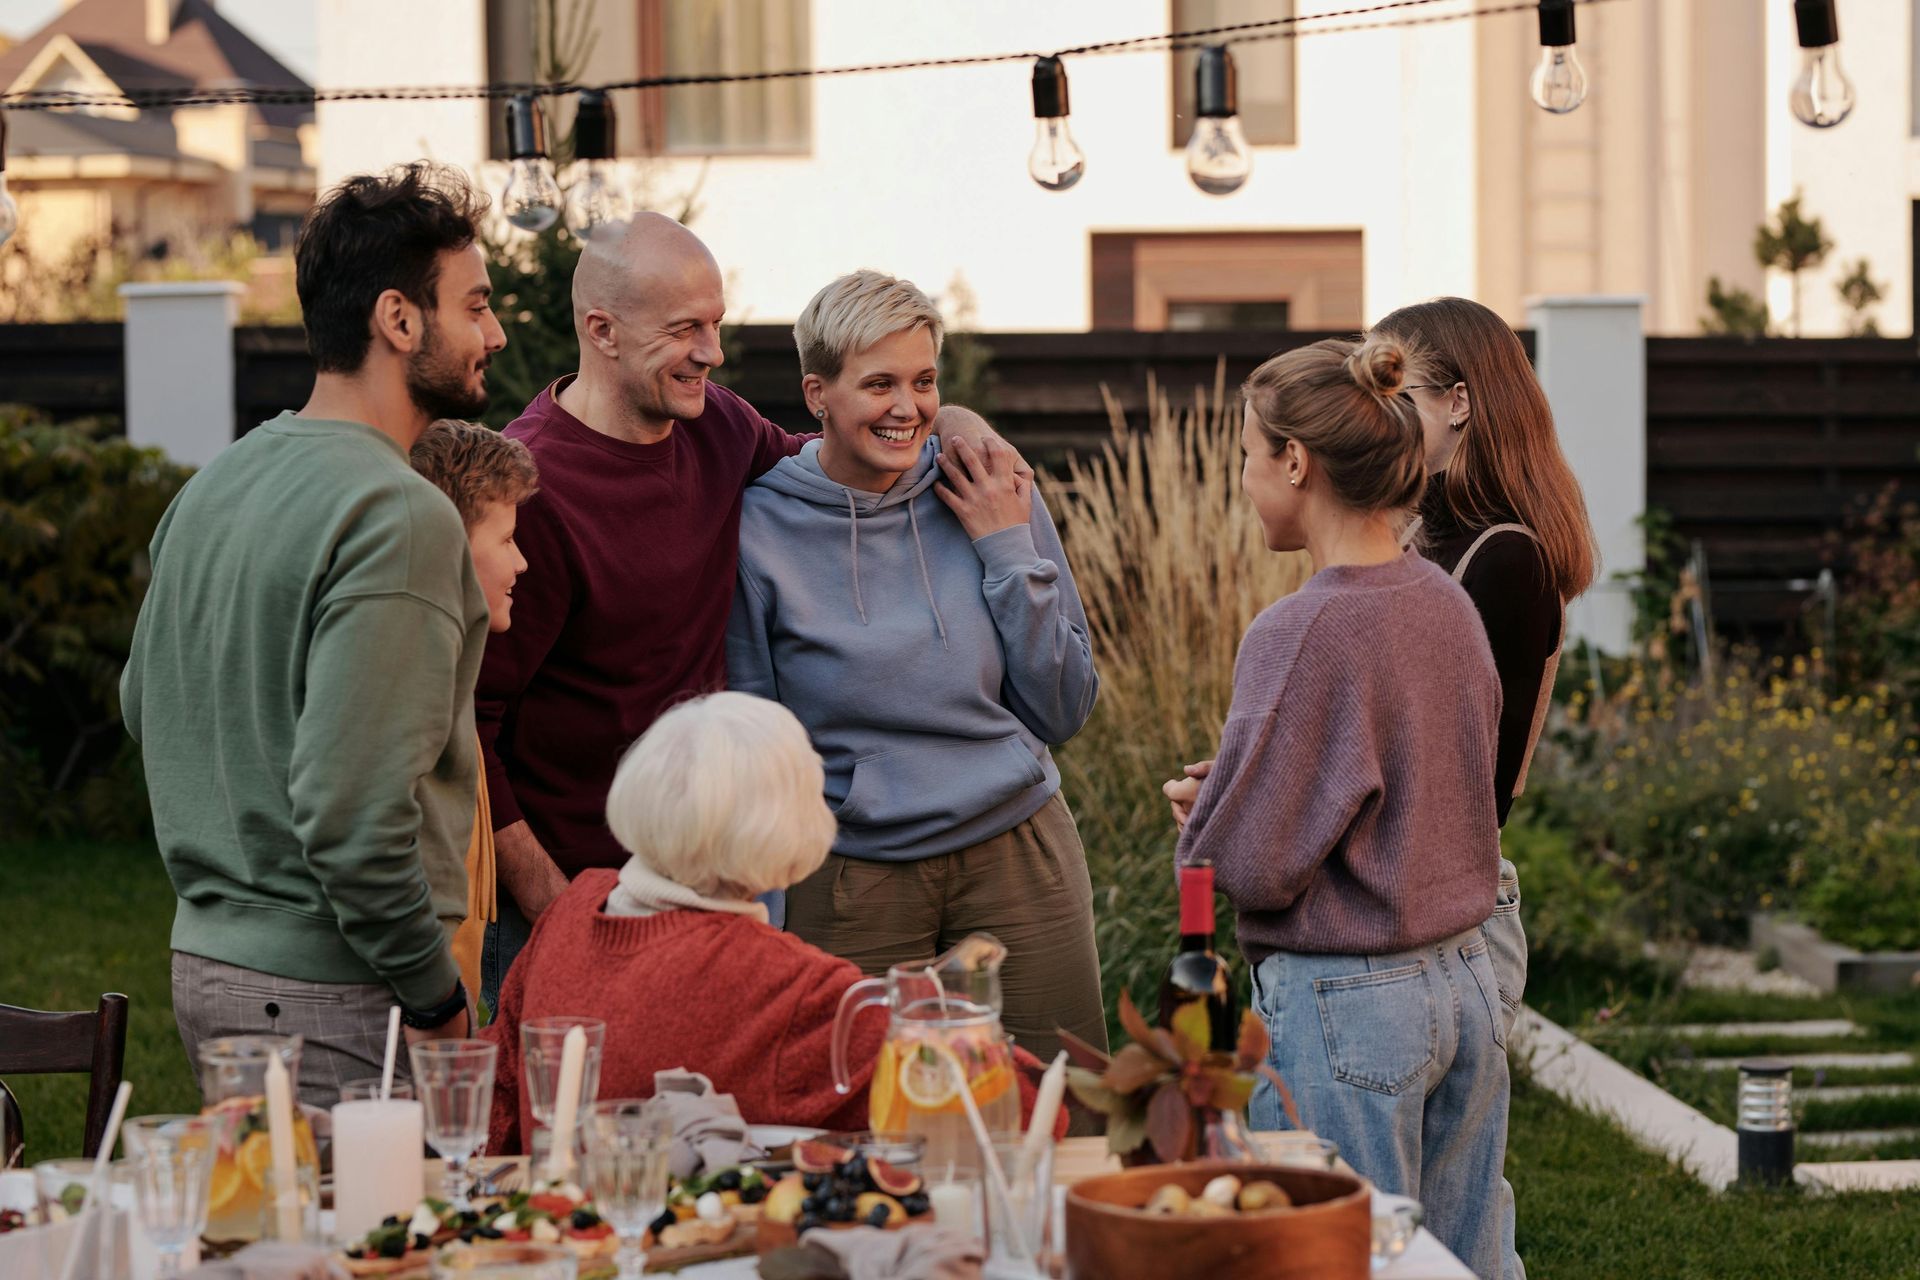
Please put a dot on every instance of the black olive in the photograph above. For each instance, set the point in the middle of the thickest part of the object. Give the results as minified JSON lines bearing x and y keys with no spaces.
{"x":662,"y":1222}
{"x":489,"y":1233}
{"x":466,"y":1235}
{"x":391,"y":1220}
{"x":727,"y":1180}
{"x":393,"y":1248}
{"x":421,"y":1240}
{"x":584,"y":1218}
{"x":753,"y":1194}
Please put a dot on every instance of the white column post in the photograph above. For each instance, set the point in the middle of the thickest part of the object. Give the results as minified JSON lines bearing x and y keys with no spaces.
{"x":180,"y":390}
{"x":1591,"y":356}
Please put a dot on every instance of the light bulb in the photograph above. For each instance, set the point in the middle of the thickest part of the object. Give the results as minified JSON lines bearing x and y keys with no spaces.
{"x":1559,"y":83}
{"x":1218,"y":159}
{"x":531,"y":199}
{"x":597,"y":196}
{"x":1056,"y":161}
{"x":1822,"y":96}
{"x":9,"y":212}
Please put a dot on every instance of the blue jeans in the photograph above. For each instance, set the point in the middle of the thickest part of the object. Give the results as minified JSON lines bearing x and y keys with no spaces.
{"x":506,"y":938}
{"x":1507,"y":944}
{"x":1401,"y":1060}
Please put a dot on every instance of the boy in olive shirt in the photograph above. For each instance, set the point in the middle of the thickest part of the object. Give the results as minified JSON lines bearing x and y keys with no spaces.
{"x":301,"y":676}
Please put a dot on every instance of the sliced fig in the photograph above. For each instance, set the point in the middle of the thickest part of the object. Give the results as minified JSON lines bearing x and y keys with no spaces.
{"x":819,"y":1157}
{"x":892,"y":1179}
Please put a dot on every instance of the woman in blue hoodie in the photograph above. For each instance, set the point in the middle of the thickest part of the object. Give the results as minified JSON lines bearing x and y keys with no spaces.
{"x":914,"y":609}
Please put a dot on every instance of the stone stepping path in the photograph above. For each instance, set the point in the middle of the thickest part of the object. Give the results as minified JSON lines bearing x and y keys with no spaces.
{"x":1850,"y":1092}
{"x":1856,"y":1137}
{"x":1813,"y":1061}
{"x":1803,"y":1029}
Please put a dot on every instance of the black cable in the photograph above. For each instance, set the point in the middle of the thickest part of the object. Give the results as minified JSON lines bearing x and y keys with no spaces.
{"x":1288,"y":28}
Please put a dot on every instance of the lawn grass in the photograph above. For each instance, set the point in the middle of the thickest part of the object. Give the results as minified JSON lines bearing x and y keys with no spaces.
{"x":1591,"y":1204}
{"x":86,"y":919}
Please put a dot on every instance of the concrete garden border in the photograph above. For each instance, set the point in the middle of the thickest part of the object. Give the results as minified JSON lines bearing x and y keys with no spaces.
{"x":1829,"y":965}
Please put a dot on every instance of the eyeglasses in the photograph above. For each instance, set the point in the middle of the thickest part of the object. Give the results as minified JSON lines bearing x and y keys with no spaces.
{"x":1430,"y":386}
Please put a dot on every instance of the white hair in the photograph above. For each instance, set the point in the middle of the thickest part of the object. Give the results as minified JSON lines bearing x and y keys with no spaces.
{"x":856,"y":311}
{"x":723,"y":796}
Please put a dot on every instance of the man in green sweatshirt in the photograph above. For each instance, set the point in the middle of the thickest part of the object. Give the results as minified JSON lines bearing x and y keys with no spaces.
{"x":301,"y":677}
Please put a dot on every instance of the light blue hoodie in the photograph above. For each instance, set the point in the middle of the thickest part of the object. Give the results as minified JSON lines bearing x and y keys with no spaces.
{"x":931,"y":670}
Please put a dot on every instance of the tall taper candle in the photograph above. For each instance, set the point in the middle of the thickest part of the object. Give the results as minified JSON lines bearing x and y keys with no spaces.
{"x":566,"y":1102}
{"x":286,"y":1186}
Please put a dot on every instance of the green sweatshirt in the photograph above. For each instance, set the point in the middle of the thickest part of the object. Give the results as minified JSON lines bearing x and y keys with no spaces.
{"x":301,"y":686}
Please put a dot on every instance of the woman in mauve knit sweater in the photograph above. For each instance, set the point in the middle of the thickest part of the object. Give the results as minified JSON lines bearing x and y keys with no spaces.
{"x":718,"y":802}
{"x":1349,"y":815}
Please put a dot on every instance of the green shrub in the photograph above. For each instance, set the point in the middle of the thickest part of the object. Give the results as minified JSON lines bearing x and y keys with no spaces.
{"x":1866,"y":889}
{"x":1573,"y":905}
{"x":77,"y":509}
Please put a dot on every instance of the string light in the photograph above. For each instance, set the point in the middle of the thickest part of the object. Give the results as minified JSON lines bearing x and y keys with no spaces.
{"x":531,"y":199}
{"x":1559,"y":82}
{"x":9,"y":211}
{"x":1218,"y":159}
{"x":598,"y":193}
{"x":1056,"y":161}
{"x":1821,"y":96}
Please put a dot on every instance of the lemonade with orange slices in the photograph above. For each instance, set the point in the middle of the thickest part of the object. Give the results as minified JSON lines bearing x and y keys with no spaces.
{"x":916,"y":1086}
{"x":233,"y":1088}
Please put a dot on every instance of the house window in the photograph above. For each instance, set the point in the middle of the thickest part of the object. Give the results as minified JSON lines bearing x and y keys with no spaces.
{"x":1266,"y":69}
{"x":1227,"y":280}
{"x":668,"y":38}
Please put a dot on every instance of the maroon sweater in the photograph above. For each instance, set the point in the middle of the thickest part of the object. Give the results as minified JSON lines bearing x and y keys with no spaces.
{"x":1350,"y":810}
{"x":631,"y":551}
{"x":745,"y":1005}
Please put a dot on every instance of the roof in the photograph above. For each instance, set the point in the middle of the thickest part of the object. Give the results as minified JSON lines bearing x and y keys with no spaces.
{"x":204,"y":50}
{"x":72,"y":133}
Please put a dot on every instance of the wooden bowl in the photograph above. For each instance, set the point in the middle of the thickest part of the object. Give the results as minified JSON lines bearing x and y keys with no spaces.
{"x":1327,"y":1235}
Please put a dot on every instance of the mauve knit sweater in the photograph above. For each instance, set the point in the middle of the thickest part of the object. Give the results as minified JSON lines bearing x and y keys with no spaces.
{"x":1350,"y":808}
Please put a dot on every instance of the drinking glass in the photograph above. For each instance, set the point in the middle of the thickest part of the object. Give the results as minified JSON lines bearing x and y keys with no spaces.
{"x":64,"y":1186}
{"x":541,"y":1043}
{"x":1018,"y":1228}
{"x":628,"y":1144}
{"x":1396,"y":1220}
{"x":454,"y":1082}
{"x":506,"y":1262}
{"x":170,"y":1197}
{"x":1300,"y":1150}
{"x":303,"y":1224}
{"x":376,"y":1155}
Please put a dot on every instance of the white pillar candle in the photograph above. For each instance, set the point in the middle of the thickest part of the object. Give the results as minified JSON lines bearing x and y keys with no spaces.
{"x":566,"y":1102}
{"x":377,"y":1168}
{"x":280,"y":1137}
{"x":954,"y":1206}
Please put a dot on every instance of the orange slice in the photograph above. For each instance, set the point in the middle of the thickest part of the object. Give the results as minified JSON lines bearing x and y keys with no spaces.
{"x":254,"y":1158}
{"x":926,"y":1078}
{"x":991,"y":1085}
{"x":883,"y":1095}
{"x":224,"y":1186}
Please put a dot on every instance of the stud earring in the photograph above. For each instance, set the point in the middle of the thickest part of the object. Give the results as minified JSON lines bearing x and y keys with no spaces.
{"x":1294,"y":481}
{"x":820,"y":414}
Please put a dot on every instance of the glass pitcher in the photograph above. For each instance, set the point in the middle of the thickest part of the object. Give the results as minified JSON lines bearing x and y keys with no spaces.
{"x":941,"y":1013}
{"x":233,"y":1089}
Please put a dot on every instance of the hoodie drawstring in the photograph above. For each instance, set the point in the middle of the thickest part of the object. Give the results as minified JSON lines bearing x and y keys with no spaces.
{"x":853,"y":536}
{"x":913,"y":519}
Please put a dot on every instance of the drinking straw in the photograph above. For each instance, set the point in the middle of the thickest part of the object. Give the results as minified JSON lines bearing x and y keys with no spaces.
{"x":1046,"y":1108}
{"x":393,"y":1047}
{"x":996,"y":1177}
{"x":97,"y":1184}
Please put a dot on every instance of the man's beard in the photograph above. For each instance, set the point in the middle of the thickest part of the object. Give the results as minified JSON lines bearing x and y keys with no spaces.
{"x":439,"y":386}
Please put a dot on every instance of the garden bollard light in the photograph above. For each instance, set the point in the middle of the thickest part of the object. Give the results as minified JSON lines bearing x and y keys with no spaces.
{"x":1765,"y":1122}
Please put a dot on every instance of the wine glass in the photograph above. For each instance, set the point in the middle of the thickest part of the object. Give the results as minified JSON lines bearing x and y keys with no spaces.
{"x":170,"y":1196}
{"x":628,"y":1145}
{"x":454,"y":1081}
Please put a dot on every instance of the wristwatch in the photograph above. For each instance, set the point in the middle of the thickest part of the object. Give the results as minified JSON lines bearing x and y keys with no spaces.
{"x":438,"y":1015}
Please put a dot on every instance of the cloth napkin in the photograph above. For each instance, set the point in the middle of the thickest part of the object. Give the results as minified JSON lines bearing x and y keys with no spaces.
{"x":866,"y":1253}
{"x":708,"y":1132}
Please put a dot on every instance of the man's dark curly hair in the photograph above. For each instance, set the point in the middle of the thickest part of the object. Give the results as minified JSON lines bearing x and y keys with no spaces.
{"x":372,"y":233}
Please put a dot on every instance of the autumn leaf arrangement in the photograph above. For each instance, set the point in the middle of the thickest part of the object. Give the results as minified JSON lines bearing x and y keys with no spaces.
{"x":1161,"y":1092}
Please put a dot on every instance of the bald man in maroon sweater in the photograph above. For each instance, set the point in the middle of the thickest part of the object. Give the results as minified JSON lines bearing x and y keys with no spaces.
{"x":631,"y":545}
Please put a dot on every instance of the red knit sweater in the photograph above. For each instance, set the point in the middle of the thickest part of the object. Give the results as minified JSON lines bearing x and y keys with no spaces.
{"x":747,"y":1006}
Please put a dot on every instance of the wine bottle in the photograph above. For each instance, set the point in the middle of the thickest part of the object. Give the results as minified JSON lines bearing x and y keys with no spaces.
{"x":1197,"y":972}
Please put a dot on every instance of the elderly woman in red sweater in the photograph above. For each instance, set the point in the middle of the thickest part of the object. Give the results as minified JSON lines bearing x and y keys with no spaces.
{"x":719,"y":802}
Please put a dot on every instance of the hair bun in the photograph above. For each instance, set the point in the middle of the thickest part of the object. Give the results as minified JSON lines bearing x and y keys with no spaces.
{"x":1379,"y":365}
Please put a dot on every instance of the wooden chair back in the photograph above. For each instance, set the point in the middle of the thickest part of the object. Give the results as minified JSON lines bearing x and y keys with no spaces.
{"x":94,"y":1042}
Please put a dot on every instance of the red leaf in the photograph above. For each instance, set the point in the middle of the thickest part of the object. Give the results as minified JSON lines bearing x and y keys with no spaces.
{"x":1170,"y":1123}
{"x":1082,"y":1054}
{"x":1136,"y":1027}
{"x":1286,"y":1094}
{"x":1254,"y":1042}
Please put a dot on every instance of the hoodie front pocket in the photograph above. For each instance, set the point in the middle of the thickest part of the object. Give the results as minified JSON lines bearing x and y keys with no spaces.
{"x":943,"y":785}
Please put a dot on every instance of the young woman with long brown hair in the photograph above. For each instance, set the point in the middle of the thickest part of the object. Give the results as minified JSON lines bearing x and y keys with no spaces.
{"x":1502,"y":514}
{"x":1349,"y":816}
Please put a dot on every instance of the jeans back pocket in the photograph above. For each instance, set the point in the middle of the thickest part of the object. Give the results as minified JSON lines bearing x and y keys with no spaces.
{"x":1479,"y":962}
{"x":1381,"y":1029}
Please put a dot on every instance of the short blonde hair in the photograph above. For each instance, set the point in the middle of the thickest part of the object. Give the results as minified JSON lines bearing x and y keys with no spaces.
{"x":856,"y":311}
{"x":475,"y":466}
{"x":723,"y":796}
